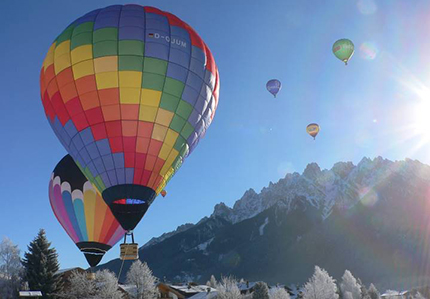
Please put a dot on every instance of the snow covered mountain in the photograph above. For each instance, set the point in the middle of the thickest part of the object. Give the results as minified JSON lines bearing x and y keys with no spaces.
{"x":343,"y":185}
{"x":279,"y":234}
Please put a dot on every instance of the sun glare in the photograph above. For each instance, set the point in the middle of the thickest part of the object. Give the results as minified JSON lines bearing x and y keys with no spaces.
{"x":422,"y":119}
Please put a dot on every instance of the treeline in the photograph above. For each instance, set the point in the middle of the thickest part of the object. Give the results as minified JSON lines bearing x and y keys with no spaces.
{"x":37,"y":271}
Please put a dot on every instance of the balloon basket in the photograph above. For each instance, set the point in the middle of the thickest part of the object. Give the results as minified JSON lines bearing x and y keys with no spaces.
{"x":129,"y":251}
{"x":91,"y":276}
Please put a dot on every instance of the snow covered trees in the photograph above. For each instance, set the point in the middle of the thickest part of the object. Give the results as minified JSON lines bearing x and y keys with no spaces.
{"x":418,"y":296}
{"x":373,"y":292}
{"x":278,"y":293}
{"x":105,"y":285}
{"x":10,"y":269}
{"x":141,"y":277}
{"x":320,"y":286}
{"x":261,"y":291}
{"x":40,"y":265}
{"x":350,"y":285}
{"x":227,"y":289}
{"x":80,"y":287}
{"x":212,"y":282}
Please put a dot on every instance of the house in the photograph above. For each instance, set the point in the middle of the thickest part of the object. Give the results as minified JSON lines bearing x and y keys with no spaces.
{"x":167,"y":291}
{"x":395,"y":295}
{"x":66,"y":273}
{"x":190,"y":289}
{"x":247,"y":287}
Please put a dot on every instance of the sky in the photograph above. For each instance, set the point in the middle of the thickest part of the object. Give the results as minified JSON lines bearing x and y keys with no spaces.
{"x":378,"y":105}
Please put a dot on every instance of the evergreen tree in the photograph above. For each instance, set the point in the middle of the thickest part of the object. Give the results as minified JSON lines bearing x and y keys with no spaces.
{"x":373,"y":292}
{"x":212,"y":282}
{"x":350,"y":285}
{"x":261,"y":291}
{"x":40,"y":265}
{"x":364,"y":293}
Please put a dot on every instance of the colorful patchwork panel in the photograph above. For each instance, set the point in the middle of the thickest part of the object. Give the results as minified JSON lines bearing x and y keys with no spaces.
{"x":129,"y":91}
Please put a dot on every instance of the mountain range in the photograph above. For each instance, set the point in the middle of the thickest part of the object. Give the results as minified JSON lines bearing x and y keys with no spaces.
{"x":372,"y":218}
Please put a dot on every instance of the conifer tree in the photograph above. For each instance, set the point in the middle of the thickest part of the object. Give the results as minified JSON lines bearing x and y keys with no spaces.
{"x":373,"y":292}
{"x":40,"y":265}
{"x":261,"y":291}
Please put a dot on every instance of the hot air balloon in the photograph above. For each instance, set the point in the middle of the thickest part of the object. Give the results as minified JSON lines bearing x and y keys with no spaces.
{"x":129,"y":91}
{"x":82,"y":212}
{"x":313,"y":130}
{"x":163,"y":193}
{"x":343,"y":49}
{"x":274,"y":86}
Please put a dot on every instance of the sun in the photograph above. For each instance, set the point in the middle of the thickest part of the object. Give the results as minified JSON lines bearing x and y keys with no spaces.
{"x":421,"y":119}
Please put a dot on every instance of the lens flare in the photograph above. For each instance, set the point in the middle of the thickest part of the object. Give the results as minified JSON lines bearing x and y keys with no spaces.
{"x":368,"y":50}
{"x":368,"y":197}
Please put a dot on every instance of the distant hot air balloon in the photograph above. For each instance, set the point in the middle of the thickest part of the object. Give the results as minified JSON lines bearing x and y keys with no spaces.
{"x":129,"y":91}
{"x":82,"y":212}
{"x":343,"y":49}
{"x":313,"y":130}
{"x":163,"y":193}
{"x":274,"y":86}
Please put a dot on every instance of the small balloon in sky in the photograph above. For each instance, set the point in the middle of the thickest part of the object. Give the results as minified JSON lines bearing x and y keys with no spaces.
{"x":313,"y":130}
{"x":343,"y":49}
{"x":368,"y":50}
{"x":367,"y":7}
{"x":274,"y":86}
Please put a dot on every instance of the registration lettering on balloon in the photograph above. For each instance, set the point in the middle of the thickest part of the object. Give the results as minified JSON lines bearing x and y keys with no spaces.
{"x":129,"y":91}
{"x":167,"y":38}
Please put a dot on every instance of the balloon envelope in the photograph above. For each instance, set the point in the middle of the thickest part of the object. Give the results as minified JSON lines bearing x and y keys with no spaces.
{"x":80,"y":209}
{"x":343,"y":49}
{"x":163,"y":193}
{"x":129,"y":90}
{"x":274,"y":86}
{"x":313,"y":129}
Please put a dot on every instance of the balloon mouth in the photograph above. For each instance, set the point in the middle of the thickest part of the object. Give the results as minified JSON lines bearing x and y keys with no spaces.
{"x":93,"y":251}
{"x":128,"y":203}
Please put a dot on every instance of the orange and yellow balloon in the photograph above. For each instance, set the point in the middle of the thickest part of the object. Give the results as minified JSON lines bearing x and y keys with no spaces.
{"x":313,"y":129}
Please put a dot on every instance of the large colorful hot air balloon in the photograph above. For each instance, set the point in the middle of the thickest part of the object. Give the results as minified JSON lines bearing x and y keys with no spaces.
{"x":274,"y":86}
{"x":129,"y":91}
{"x":313,"y":130}
{"x":343,"y":49}
{"x":82,"y":212}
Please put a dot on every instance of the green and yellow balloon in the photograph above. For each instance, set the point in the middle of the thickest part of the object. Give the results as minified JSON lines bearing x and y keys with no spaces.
{"x":343,"y":49}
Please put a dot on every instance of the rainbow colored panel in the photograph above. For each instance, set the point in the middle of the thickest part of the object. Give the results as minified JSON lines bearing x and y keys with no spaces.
{"x":79,"y":207}
{"x":129,"y":91}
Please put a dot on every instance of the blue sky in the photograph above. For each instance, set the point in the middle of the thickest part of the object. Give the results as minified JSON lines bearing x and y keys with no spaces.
{"x":376,"y":106}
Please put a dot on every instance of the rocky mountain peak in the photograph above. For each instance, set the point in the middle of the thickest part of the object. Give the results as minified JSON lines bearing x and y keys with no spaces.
{"x":343,"y":169}
{"x":312,"y":171}
{"x":223,"y":211}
